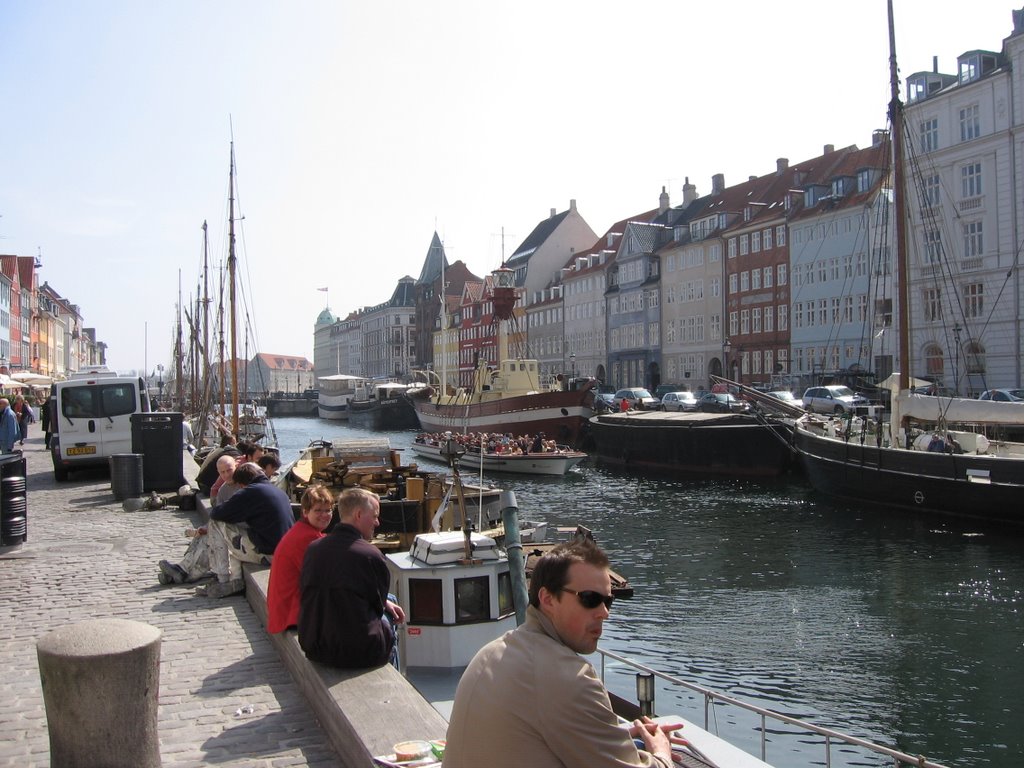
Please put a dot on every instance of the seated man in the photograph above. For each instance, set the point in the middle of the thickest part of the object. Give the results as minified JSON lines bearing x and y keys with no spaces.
{"x":246,"y":528}
{"x":530,"y":688}
{"x":224,"y":488}
{"x":344,"y":615}
{"x":283,"y":590}
{"x":270,"y":464}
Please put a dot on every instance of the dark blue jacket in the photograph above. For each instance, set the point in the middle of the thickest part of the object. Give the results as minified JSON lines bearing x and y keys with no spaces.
{"x":264,"y":508}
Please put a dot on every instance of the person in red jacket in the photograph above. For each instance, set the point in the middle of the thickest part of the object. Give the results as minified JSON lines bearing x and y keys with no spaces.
{"x":283,"y":590}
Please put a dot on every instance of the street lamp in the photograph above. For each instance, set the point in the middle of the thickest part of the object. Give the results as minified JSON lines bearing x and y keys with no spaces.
{"x":956,"y":360}
{"x":572,"y":359}
{"x":160,"y":382}
{"x":726,"y":346}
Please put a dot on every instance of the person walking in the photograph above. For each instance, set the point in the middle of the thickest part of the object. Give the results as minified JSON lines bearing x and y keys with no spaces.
{"x":9,"y":430}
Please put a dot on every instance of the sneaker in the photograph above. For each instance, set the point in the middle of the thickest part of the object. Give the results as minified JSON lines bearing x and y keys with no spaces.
{"x":223,"y":588}
{"x":173,"y":572}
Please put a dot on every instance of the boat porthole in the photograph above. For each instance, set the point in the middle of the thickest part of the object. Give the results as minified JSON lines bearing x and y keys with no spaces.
{"x":565,"y":412}
{"x":919,"y":497}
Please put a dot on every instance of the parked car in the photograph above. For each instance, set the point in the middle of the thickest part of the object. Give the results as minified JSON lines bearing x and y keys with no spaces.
{"x":785,"y":396}
{"x":637,"y":397}
{"x":1003,"y":395}
{"x":834,"y":398}
{"x":679,"y":401}
{"x":604,"y":397}
{"x":721,"y":402}
{"x":663,"y":389}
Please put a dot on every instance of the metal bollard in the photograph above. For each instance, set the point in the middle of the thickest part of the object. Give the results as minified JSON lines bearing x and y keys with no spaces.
{"x":101,"y":681}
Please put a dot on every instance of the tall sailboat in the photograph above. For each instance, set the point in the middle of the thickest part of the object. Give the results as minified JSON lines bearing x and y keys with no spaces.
{"x":919,"y":460}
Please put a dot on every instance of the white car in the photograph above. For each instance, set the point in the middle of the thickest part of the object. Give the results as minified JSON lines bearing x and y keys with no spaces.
{"x":678,"y":401}
{"x":835,"y":398}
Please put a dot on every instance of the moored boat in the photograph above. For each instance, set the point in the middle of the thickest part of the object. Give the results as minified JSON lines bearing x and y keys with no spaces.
{"x":730,"y":444}
{"x":552,"y":462}
{"x":964,"y":474}
{"x":335,"y":393}
{"x":382,"y":405}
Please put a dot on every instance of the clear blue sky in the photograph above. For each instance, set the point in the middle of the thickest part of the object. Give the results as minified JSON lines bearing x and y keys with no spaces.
{"x":361,"y":127}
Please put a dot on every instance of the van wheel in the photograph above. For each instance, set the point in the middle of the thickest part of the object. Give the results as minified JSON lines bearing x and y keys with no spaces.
{"x":60,"y":474}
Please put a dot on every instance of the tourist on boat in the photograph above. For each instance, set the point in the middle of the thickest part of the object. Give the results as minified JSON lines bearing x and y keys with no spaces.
{"x":346,"y":615}
{"x":9,"y":430}
{"x":530,"y":698}
{"x":267,"y":514}
{"x":283,"y":589}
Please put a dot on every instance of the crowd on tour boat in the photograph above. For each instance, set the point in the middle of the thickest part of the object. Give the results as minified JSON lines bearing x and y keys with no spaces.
{"x":494,"y":442}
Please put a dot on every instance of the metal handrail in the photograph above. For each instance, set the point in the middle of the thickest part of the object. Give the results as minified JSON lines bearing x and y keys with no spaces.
{"x":711,"y":696}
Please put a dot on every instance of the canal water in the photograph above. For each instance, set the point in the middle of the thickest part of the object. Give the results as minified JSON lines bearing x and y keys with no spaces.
{"x":905,"y":630}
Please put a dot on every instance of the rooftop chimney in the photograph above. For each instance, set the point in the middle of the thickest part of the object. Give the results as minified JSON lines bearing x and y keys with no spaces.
{"x":662,"y":201}
{"x":935,"y":64}
{"x":572,"y":205}
{"x":718,"y":184}
{"x":689,"y":192}
{"x":878,"y":136}
{"x":552,"y":214}
{"x":829,"y":149}
{"x":781,"y":164}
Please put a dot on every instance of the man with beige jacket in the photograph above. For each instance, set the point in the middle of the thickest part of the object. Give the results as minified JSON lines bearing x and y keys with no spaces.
{"x":530,"y":699}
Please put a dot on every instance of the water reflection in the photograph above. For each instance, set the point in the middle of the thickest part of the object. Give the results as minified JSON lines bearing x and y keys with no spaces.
{"x":898,"y":628}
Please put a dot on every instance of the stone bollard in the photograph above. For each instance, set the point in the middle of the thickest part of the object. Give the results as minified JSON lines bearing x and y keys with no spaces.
{"x":101,"y":682}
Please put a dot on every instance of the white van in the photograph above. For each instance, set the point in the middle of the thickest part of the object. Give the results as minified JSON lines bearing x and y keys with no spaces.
{"x":91,"y":418}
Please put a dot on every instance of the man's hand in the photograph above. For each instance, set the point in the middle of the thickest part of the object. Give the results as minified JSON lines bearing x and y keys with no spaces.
{"x":655,"y":737}
{"x":396,"y":612}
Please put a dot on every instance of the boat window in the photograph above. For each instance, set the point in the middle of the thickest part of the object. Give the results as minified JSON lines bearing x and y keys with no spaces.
{"x":472,"y":599}
{"x":505,"y":604}
{"x":425,"y":602}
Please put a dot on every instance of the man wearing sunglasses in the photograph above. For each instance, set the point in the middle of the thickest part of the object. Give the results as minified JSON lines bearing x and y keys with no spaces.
{"x":529,"y":698}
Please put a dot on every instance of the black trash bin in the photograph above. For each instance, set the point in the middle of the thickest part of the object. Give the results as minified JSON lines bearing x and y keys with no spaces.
{"x":157,"y":436}
{"x":13,"y":500}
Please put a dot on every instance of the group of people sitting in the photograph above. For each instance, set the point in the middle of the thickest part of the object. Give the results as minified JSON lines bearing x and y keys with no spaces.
{"x":531,"y":687}
{"x":493,"y":442}
{"x":333,"y":588}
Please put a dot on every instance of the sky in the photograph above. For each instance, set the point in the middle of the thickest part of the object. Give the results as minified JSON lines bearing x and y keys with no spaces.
{"x":361,"y":128}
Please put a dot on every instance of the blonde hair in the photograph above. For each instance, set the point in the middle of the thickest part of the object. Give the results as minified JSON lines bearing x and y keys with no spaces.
{"x":316,"y":494}
{"x":352,"y":499}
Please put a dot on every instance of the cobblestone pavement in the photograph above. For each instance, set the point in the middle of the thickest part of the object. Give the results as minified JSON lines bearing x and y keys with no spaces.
{"x":86,"y":558}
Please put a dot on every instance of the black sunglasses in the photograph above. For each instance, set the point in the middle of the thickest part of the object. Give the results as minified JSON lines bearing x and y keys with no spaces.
{"x":590,"y":599}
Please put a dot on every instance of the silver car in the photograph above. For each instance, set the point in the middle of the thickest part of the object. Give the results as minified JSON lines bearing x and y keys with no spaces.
{"x":678,"y":401}
{"x":834,"y":398}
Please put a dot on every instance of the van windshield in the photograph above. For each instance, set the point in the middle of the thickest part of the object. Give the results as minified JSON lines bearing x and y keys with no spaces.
{"x":96,"y":401}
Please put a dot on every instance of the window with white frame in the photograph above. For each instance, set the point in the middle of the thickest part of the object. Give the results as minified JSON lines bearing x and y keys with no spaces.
{"x":755,"y":317}
{"x":834,"y":303}
{"x":755,"y":242}
{"x":767,"y":274}
{"x":734,"y":323}
{"x":930,"y":188}
{"x":715,"y":252}
{"x":716,"y":326}
{"x":744,"y":245}
{"x":932,"y":304}
{"x":970,"y":123}
{"x":822,"y":311}
{"x":767,"y":237}
{"x":769,"y":318}
{"x":780,"y":273}
{"x":744,"y":281}
{"x":733,"y":282}
{"x":928,"y":133}
{"x":716,"y":287}
{"x":755,"y":279}
{"x":974,"y":244}
{"x":970,"y":180}
{"x":798,"y":315}
{"x":780,"y":235}
{"x":744,"y":321}
{"x":974,"y":299}
{"x":848,"y":309}
{"x":732,"y":247}
{"x":932,"y":253}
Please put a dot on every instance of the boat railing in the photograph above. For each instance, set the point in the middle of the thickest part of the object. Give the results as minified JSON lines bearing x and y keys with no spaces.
{"x":711,"y":698}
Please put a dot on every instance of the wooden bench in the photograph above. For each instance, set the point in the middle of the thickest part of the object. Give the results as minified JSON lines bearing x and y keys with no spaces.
{"x":365,"y":712}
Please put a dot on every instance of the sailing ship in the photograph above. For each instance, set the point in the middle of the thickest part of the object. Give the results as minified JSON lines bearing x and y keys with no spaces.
{"x":942,"y":470}
{"x":507,"y":395}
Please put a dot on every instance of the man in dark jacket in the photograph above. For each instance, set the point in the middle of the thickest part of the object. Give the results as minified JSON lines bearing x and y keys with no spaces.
{"x":246,"y":528}
{"x":345,"y":614}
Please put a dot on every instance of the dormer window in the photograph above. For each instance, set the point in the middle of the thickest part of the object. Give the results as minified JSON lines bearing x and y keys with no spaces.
{"x":748,"y":212}
{"x":838,"y":187}
{"x":976,"y":64}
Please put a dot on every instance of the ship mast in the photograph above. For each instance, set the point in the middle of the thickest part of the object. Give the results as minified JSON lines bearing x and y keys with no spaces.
{"x":899,"y":186}
{"x":232,"y":267}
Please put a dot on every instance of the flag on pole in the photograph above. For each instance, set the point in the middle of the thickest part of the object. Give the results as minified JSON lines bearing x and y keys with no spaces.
{"x":322,"y":289}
